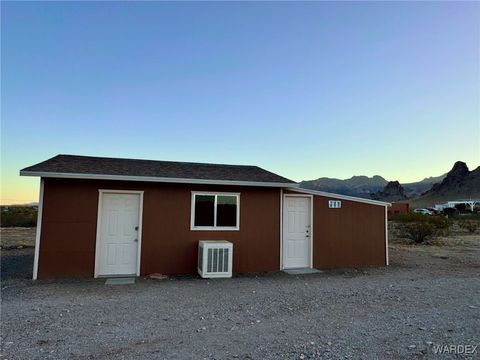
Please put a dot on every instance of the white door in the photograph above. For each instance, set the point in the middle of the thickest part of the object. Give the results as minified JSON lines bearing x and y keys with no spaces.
{"x":296,"y":232}
{"x":117,"y":251}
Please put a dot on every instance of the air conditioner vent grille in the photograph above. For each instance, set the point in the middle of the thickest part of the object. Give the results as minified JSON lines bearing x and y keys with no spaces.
{"x":215,"y":258}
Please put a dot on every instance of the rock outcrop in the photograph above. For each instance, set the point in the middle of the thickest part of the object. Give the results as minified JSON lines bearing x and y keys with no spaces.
{"x":455,"y":179}
{"x":393,"y":191}
{"x":458,"y":184}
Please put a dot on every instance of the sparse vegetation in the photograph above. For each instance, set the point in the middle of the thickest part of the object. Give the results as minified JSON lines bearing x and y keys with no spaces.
{"x":469,"y":225}
{"x":420,"y":228}
{"x":450,"y":211}
{"x":436,"y":230}
{"x":18,"y":216}
{"x":419,"y":232}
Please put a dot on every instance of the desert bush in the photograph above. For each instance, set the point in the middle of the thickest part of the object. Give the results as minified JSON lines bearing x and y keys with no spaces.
{"x":419,"y":228}
{"x":462,"y":208}
{"x":419,"y":232}
{"x":469,"y":225}
{"x":450,"y":211}
{"x":19,"y":216}
{"x":437,"y":220}
{"x":473,"y":216}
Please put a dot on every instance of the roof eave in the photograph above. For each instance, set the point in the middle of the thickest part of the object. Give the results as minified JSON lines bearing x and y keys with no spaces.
{"x":155,"y":179}
{"x":339,"y":196}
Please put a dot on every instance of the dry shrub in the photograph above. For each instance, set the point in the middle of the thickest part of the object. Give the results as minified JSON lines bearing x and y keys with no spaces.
{"x":419,"y":228}
{"x":469,"y":225}
{"x":18,"y":216}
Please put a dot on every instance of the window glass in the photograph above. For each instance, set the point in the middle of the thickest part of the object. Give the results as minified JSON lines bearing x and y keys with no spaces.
{"x":204,"y":210}
{"x":226,"y":210}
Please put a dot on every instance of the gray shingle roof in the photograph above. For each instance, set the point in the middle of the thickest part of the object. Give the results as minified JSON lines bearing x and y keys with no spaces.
{"x":88,"y":165}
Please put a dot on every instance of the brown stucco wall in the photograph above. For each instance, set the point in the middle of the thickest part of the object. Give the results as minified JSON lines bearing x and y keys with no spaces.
{"x":352,"y":236}
{"x":168,"y":245}
{"x":398,"y":208}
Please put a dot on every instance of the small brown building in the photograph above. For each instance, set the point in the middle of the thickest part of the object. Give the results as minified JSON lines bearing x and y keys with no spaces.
{"x":114,"y":217}
{"x":397,"y":208}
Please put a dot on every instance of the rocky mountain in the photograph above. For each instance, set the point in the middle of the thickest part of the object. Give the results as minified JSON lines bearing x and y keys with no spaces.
{"x":393,"y":191}
{"x":459,"y":183}
{"x":418,"y":188}
{"x":364,"y":186}
{"x":361,"y":186}
{"x":455,"y":180}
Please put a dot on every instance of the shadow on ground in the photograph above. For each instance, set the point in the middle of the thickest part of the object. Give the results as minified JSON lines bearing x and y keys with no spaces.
{"x":17,"y":264}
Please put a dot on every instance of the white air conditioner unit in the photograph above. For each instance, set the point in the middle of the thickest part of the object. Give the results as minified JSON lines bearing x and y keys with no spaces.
{"x":215,"y":258}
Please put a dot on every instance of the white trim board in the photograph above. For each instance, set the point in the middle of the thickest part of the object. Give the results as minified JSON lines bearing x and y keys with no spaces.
{"x":281,"y":229}
{"x":99,"y":218}
{"x":386,"y":237}
{"x":38,"y":234}
{"x":342,"y":197}
{"x":311,"y":229}
{"x":154,"y":179}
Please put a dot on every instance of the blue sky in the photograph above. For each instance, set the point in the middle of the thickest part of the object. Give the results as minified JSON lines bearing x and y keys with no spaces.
{"x":304,"y":89}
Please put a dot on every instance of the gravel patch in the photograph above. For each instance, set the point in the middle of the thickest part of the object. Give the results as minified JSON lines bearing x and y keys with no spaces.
{"x":401,"y":311}
{"x":17,"y":264}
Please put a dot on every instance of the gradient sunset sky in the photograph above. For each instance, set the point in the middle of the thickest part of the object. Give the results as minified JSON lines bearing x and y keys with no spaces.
{"x":305,"y":89}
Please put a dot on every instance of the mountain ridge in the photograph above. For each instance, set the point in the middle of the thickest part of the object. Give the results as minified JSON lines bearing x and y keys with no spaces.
{"x":358,"y":185}
{"x":364,"y":186}
{"x":457,"y":183}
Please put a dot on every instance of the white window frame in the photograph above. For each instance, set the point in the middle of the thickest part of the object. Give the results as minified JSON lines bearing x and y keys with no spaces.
{"x":213,"y":228}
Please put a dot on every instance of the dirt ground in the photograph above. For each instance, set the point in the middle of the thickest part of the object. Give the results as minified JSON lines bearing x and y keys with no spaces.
{"x":14,"y":237}
{"x":428,"y":296}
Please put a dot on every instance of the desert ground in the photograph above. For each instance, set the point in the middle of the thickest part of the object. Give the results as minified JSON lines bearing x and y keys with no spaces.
{"x":428,"y":297}
{"x":15,"y":237}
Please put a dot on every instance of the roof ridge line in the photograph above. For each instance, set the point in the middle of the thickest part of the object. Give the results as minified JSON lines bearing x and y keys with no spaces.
{"x":152,"y":160}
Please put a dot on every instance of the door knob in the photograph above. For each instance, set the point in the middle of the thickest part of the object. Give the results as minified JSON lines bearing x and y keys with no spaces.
{"x":136,"y":240}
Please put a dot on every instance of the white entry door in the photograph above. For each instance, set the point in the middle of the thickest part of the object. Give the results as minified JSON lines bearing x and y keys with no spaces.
{"x":296,"y":232}
{"x":118,"y":240}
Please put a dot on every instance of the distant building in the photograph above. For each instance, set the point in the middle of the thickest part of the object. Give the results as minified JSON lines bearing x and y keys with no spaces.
{"x":451,"y":204}
{"x":398,"y":208}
